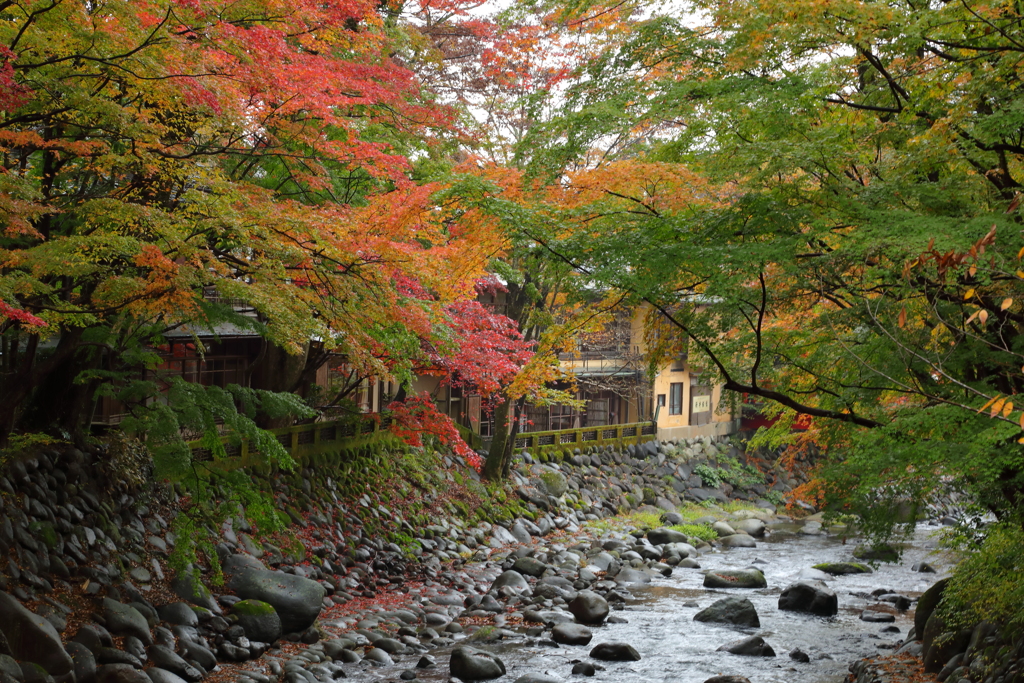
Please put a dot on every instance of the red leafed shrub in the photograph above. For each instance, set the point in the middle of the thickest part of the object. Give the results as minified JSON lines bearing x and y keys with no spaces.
{"x":417,"y":415}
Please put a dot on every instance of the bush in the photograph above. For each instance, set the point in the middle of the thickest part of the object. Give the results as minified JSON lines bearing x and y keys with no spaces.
{"x":986,"y":585}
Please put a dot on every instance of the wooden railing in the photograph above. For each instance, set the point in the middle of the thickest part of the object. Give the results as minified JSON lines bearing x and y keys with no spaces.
{"x":540,"y":442}
{"x":306,"y":440}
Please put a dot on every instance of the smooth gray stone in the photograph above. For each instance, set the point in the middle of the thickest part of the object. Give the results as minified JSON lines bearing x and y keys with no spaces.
{"x":753,"y":646}
{"x":126,"y":620}
{"x":296,"y":599}
{"x":471,"y":664}
{"x":589,"y":608}
{"x":813,"y":597}
{"x":32,"y":638}
{"x":732,"y":610}
{"x":572,"y":634}
{"x":615,"y":652}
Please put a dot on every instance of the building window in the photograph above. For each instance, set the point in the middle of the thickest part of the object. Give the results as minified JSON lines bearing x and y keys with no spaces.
{"x":661,"y":400}
{"x":675,"y":406}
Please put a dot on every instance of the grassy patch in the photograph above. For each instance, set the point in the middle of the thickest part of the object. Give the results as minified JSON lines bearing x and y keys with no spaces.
{"x":652,"y":520}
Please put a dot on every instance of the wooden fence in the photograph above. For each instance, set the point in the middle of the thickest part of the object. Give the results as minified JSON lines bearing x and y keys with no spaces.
{"x":306,"y":440}
{"x":542,"y":442}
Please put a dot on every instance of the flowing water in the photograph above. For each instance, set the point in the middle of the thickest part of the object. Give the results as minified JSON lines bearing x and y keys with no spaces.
{"x":676,"y":649}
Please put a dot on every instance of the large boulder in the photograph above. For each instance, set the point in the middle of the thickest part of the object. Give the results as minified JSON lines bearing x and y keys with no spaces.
{"x":733,"y":610}
{"x":512,"y":579}
{"x":738,"y":541}
{"x":630,"y":575}
{"x":189,"y":587}
{"x":735,"y":578}
{"x":125,"y":620}
{"x":85,"y":662}
{"x":537,"y":678}
{"x":589,"y":608}
{"x":572,"y":634}
{"x":259,"y":620}
{"x":166,"y":659}
{"x":926,"y":604}
{"x":471,"y":664}
{"x":553,"y":483}
{"x":121,"y":673}
{"x":178,"y":613}
{"x":813,"y":597}
{"x":882,"y":552}
{"x":296,"y":599}
{"x":753,"y":646}
{"x":754,"y":527}
{"x":663,"y":536}
{"x":530,"y":566}
{"x":31,"y":638}
{"x":615,"y":652}
{"x":158,"y":675}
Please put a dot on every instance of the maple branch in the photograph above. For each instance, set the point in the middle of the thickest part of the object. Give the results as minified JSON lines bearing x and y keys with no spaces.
{"x":867,"y":107}
{"x":728,"y":382}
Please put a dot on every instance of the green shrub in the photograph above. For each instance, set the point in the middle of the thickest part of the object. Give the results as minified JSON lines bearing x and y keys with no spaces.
{"x":711,"y":476}
{"x":986,"y":585}
{"x":702,"y":531}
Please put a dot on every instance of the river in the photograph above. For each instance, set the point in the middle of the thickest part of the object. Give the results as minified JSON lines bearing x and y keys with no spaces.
{"x":676,"y":649}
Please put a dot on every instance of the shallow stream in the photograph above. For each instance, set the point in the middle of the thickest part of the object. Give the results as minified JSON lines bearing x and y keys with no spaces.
{"x":676,"y":649}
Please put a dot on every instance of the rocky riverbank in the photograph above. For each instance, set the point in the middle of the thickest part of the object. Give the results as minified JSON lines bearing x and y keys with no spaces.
{"x":386,"y":560}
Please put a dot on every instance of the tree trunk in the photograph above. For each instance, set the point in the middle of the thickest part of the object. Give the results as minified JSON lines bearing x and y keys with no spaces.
{"x":506,"y":428}
{"x":20,"y":385}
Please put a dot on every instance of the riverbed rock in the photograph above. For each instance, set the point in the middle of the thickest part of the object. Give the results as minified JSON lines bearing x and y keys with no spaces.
{"x":812,"y":597}
{"x":188,"y":586}
{"x":158,"y":675}
{"x":732,"y":610}
{"x":512,"y":579}
{"x":584,"y":669}
{"x":738,"y":541}
{"x":752,"y":646}
{"x":727,"y":679}
{"x":471,"y":664}
{"x":663,"y":536}
{"x":84,"y":662}
{"x":296,"y":599}
{"x":166,"y":659}
{"x":572,"y":634}
{"x":877,"y":617}
{"x":882,"y":552}
{"x":553,"y":483}
{"x":120,"y":673}
{"x":589,"y":608}
{"x":615,"y":652}
{"x":630,"y":575}
{"x":843,"y":568}
{"x":125,"y":620}
{"x":926,"y":604}
{"x":31,"y":638}
{"x":529,"y":566}
{"x":259,"y":620}
{"x":735,"y":578}
{"x":178,"y":613}
{"x":752,"y":526}
{"x":538,"y":678}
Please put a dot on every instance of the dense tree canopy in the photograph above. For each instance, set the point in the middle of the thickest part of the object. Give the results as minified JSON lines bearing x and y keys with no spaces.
{"x":819,"y":198}
{"x":275,"y":153}
{"x":822,"y":197}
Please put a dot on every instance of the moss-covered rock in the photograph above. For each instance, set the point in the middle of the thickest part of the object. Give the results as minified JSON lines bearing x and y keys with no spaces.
{"x":259,"y":620}
{"x":877,"y":553}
